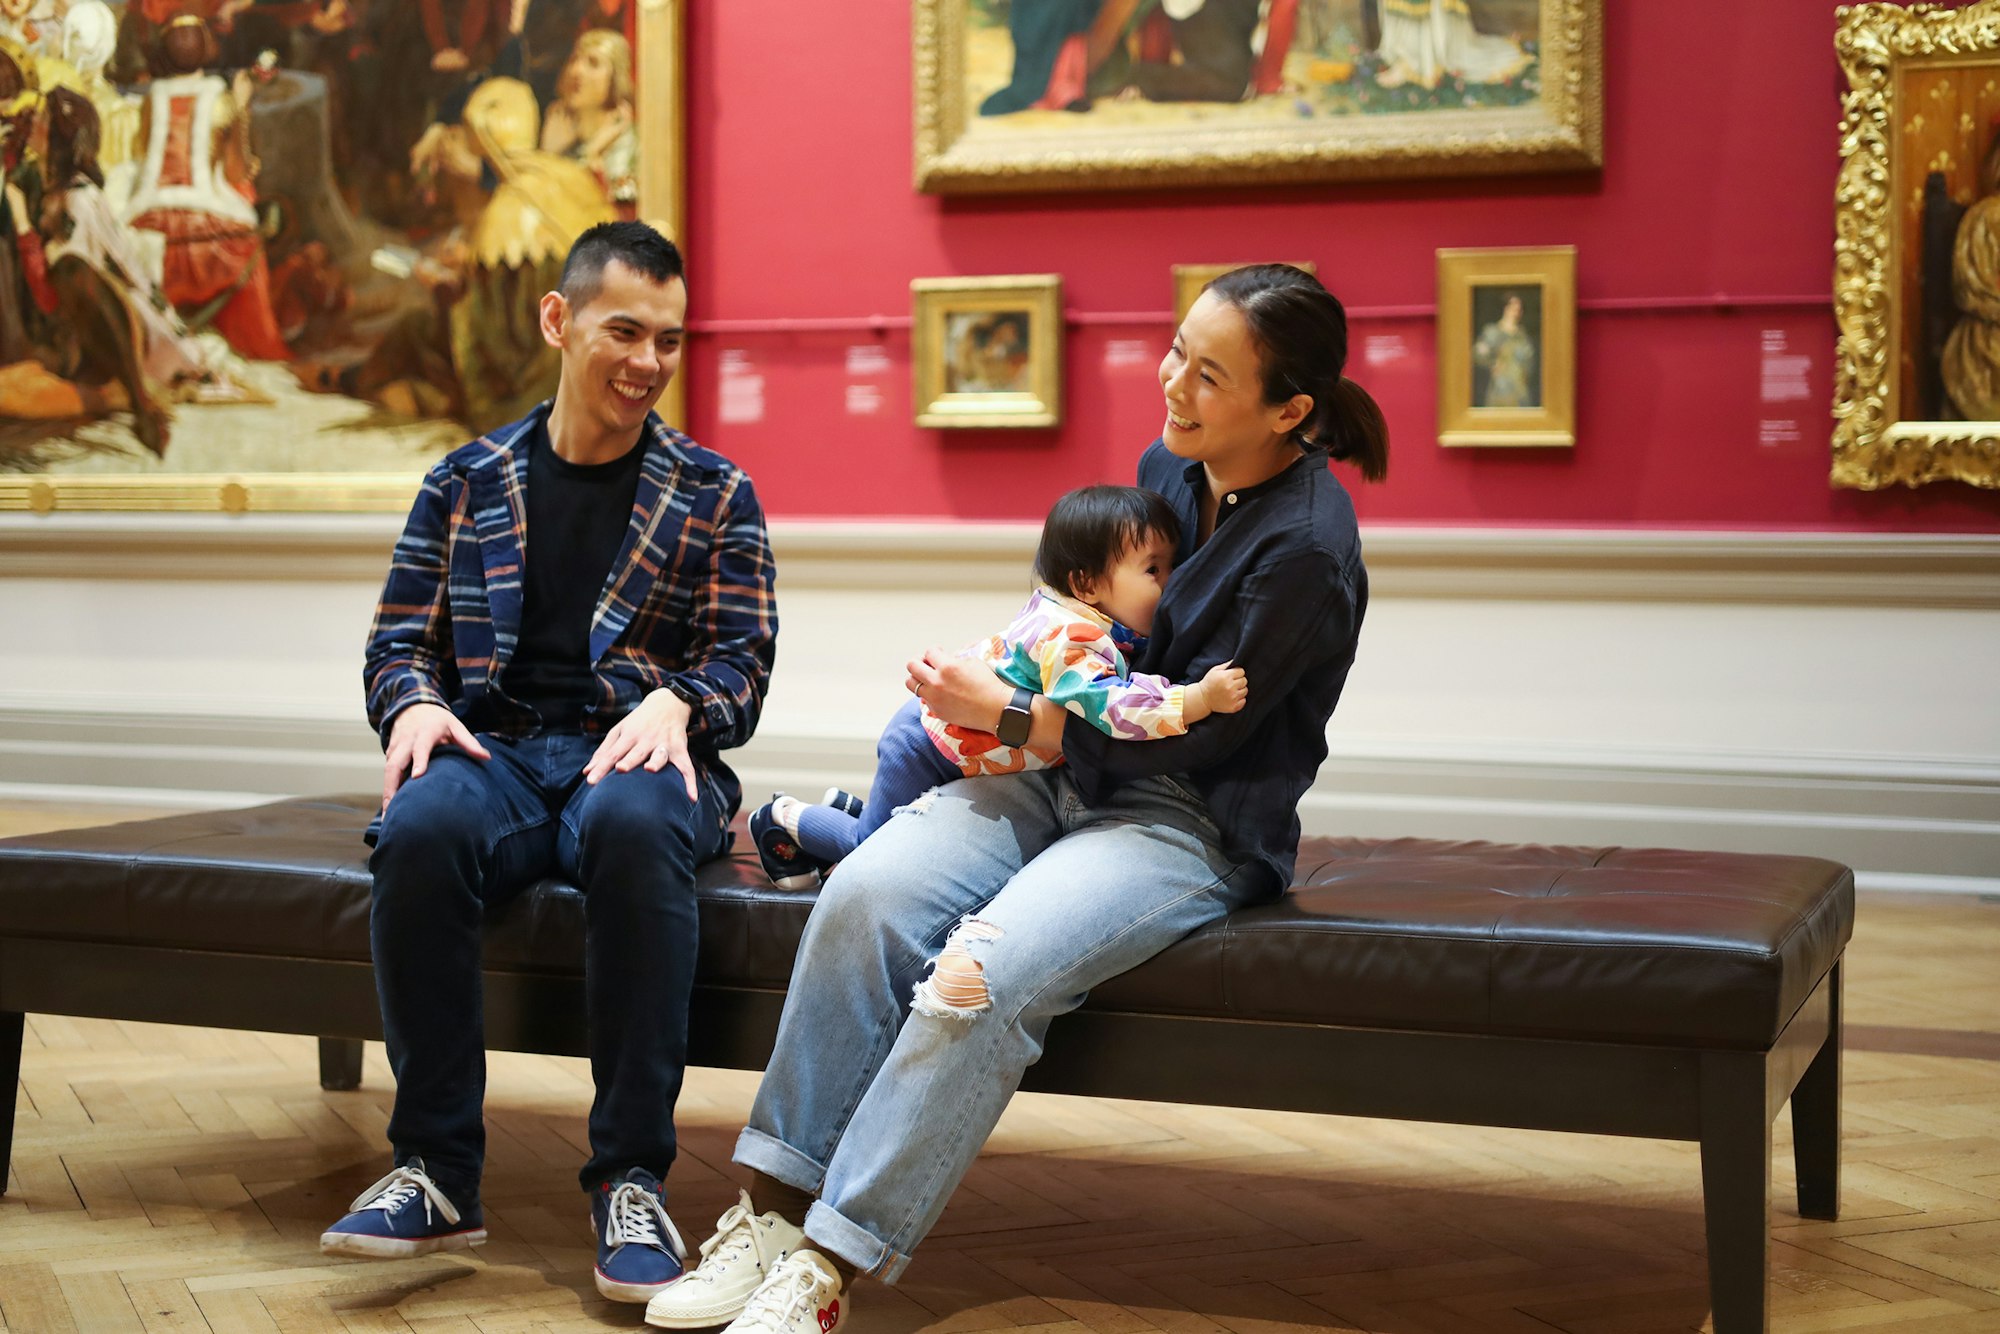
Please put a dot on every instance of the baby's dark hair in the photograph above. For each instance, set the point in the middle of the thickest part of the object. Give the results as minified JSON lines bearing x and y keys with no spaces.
{"x":1091,"y":527}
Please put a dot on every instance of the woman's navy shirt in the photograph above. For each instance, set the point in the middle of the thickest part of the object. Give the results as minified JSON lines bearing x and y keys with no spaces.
{"x":1279,"y":589}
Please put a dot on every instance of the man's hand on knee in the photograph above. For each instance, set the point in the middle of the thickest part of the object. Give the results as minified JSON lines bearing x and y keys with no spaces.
{"x":417,"y":731}
{"x":654,"y":735}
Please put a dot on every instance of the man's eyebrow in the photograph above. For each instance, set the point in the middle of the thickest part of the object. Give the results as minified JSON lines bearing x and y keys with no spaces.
{"x":620,"y":317}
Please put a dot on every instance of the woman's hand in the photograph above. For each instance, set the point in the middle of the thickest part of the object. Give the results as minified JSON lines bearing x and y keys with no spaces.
{"x":958,"y":690}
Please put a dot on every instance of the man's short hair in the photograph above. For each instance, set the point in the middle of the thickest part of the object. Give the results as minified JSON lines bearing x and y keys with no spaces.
{"x":633,"y":244}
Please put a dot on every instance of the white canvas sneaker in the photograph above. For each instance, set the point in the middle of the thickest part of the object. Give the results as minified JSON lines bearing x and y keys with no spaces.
{"x":734,"y":1262}
{"x":801,"y":1296}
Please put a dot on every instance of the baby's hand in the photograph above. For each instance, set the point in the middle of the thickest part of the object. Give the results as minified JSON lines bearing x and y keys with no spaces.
{"x":1226,"y":688}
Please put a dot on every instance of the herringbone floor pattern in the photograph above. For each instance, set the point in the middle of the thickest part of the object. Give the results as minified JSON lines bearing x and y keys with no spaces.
{"x":177,"y":1179}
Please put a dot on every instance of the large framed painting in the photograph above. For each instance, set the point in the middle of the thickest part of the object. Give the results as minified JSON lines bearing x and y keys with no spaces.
{"x":282,"y":254}
{"x":1917,"y":247}
{"x":1110,"y":94}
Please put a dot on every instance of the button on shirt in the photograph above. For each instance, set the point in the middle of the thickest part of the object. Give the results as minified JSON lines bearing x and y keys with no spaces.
{"x":1278,"y":588}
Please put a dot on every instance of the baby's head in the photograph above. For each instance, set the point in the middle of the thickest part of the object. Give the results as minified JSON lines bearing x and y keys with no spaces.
{"x":1111,"y":547}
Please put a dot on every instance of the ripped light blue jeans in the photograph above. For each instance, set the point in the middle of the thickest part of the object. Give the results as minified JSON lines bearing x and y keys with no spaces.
{"x":881,"y":1091}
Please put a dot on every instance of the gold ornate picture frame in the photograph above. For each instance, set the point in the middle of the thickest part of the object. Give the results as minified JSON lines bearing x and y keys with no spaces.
{"x":313,"y":471}
{"x":1146,"y":94}
{"x":987,"y":352}
{"x":1916,"y":289}
{"x":1506,"y":346}
{"x":1189,"y":279}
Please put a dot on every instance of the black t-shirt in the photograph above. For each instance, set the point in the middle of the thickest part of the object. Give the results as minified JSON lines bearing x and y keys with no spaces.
{"x":578,"y":515}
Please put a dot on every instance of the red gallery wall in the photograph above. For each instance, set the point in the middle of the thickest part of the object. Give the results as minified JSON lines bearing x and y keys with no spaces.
{"x":1720,"y":154}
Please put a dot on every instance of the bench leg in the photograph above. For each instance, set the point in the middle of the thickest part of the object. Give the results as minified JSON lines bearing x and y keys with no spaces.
{"x":1736,"y":1188}
{"x":12,"y":1027}
{"x":1816,"y":1120}
{"x":340,"y":1063}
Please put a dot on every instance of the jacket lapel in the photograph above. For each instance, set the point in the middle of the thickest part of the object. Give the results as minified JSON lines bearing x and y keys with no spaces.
{"x":500,"y":523}
{"x":637,"y":567}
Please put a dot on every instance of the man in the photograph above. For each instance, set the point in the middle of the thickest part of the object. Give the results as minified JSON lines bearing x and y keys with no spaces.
{"x":578,"y":617}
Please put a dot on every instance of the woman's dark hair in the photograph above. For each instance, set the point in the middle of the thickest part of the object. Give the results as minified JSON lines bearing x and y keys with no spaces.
{"x":634,"y":244}
{"x":73,"y":139}
{"x":1301,"y":330}
{"x":1091,"y":527}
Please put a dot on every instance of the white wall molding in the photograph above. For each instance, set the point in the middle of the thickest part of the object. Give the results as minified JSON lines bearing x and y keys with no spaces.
{"x":1859,"y":569}
{"x":1907,"y":821}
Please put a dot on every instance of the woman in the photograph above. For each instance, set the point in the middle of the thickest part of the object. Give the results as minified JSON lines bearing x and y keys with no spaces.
{"x":1009,"y":898}
{"x":1506,"y":353}
{"x":591,"y":119}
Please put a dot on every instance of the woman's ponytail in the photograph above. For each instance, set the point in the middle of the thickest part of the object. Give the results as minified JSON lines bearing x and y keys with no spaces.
{"x":1351,"y":427}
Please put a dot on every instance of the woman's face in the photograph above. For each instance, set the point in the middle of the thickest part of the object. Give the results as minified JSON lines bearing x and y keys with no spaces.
{"x":586,"y":79}
{"x":1213,"y":379}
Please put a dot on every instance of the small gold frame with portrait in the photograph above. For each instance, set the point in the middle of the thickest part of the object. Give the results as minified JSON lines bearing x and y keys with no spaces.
{"x":1506,"y":346}
{"x":987,"y":352}
{"x":1189,"y":279}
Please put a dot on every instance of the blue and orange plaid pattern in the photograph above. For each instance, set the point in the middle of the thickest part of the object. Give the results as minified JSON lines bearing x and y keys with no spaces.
{"x":689,"y":605}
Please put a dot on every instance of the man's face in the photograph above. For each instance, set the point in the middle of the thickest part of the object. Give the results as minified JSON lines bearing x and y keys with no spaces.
{"x":621,"y":347}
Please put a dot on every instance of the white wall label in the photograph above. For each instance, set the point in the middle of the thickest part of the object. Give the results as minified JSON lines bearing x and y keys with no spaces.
{"x":863,"y":400}
{"x":867,"y":359}
{"x":1784,"y":373}
{"x":1123,"y":352}
{"x":1380,"y":350}
{"x":742,"y":397}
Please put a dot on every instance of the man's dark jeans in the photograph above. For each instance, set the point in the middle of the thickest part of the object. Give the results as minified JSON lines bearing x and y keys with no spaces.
{"x":468,"y":836}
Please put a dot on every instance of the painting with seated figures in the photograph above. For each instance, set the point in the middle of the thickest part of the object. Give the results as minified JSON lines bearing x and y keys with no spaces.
{"x":294,"y":246}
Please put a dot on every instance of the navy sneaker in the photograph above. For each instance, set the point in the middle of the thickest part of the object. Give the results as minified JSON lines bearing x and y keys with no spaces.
{"x":404,"y":1214}
{"x":844,"y":802}
{"x":789,"y":865}
{"x":639,"y":1251}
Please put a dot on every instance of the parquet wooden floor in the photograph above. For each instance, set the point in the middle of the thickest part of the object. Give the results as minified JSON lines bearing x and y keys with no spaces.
{"x":172,"y":1179}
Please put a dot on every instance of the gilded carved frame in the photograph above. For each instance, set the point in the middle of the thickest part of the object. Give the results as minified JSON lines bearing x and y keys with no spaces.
{"x":1563,"y":131}
{"x":1035,"y":299}
{"x":658,"y":90}
{"x":1875,"y":444}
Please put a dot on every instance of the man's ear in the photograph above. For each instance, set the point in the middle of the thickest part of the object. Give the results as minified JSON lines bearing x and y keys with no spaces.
{"x":555,"y":318}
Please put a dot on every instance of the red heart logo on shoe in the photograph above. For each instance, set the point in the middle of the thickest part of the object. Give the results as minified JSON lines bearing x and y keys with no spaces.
{"x":828,"y":1317}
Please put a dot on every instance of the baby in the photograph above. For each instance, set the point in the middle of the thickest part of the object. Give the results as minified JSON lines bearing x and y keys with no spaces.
{"x":1103,"y":561}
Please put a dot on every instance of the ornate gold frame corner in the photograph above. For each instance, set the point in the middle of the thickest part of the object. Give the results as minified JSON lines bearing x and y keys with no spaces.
{"x":933,"y":300}
{"x":1460,"y":422}
{"x":1564,"y":133}
{"x":1873,"y":445}
{"x":662,"y":202}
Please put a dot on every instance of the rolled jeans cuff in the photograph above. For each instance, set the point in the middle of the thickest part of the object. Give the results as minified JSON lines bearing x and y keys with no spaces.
{"x":776,"y":1159}
{"x":830,"y":1230}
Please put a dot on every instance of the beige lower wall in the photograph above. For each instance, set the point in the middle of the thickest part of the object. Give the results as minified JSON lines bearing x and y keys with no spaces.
{"x":1800,"y":693}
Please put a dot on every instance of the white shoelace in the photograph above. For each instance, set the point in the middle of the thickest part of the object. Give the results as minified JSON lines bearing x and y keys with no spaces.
{"x":636,"y":1217}
{"x":397,"y":1189}
{"x":735,"y":1232}
{"x":791,"y":1290}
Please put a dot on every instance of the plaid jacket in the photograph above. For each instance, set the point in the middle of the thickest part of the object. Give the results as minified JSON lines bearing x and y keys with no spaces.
{"x":689,"y":604}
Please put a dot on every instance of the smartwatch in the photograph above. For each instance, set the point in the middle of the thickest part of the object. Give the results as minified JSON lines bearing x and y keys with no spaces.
{"x":1016,"y":719}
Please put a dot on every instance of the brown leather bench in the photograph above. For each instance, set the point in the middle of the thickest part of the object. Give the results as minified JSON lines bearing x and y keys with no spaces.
{"x":1671,"y":995}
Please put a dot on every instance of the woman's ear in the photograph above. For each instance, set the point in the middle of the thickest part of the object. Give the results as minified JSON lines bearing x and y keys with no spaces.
{"x":1294,"y":412}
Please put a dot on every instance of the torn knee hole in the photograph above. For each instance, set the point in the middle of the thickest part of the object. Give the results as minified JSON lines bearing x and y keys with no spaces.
{"x":956,"y":987}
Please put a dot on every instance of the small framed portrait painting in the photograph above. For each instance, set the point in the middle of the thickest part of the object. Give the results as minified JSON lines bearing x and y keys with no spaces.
{"x":1506,"y":346}
{"x":988,"y":351}
{"x":1189,"y":279}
